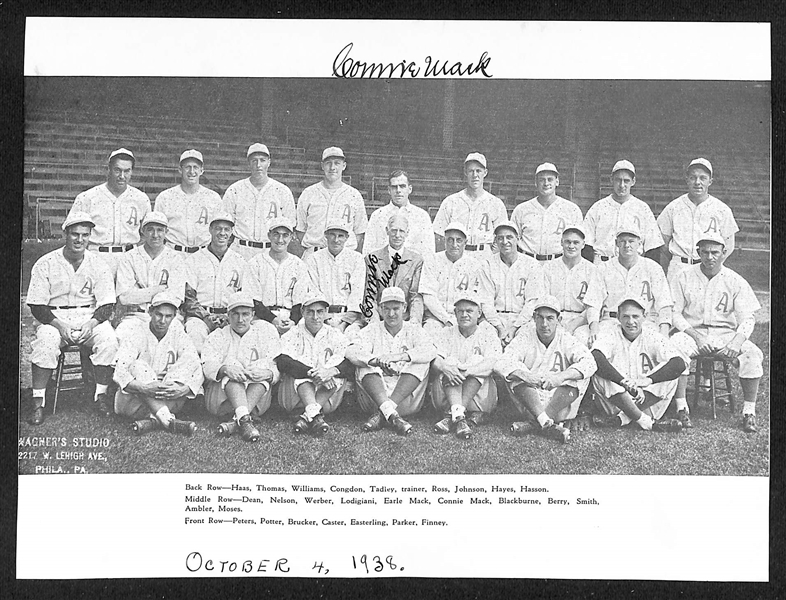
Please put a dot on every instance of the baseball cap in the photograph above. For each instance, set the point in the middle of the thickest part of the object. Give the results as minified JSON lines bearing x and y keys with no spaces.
{"x":155,"y":216}
{"x":701,"y":162}
{"x":468,"y":296}
{"x":195,"y":154}
{"x":78,"y":217}
{"x":630,"y":228}
{"x":240,"y":299}
{"x":546,"y":167}
{"x":122,"y":152}
{"x":392,"y":294}
{"x":623,"y":165}
{"x":333,"y":152}
{"x":712,"y":236}
{"x":548,"y":302}
{"x":280,"y":222}
{"x":631,"y":299}
{"x":165,"y":298}
{"x":337,"y":224}
{"x":577,"y":228}
{"x":477,"y":157}
{"x":223,"y":216}
{"x":313,"y":298}
{"x":456,"y":226}
{"x":509,"y":225}
{"x":254,"y":148}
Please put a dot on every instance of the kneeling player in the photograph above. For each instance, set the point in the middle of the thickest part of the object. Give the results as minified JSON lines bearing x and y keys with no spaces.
{"x":239,"y":367}
{"x":466,"y":355}
{"x":547,"y":371}
{"x":157,"y":371}
{"x":313,"y":368}
{"x":392,"y":357}
{"x":637,"y":372}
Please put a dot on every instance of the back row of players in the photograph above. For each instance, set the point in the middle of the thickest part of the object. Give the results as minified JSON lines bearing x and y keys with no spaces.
{"x":400,"y":309}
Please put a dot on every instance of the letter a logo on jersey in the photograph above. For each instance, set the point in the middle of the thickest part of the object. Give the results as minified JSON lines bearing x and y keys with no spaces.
{"x":646,"y":292}
{"x":560,"y":226}
{"x":522,"y":285}
{"x":87,"y":289}
{"x":164,"y":277}
{"x":713,"y":226}
{"x":273,"y":212}
{"x":347,"y":214}
{"x":234,"y":281}
{"x":463,"y":283}
{"x":328,"y":353}
{"x":291,"y":288}
{"x":558,"y":365}
{"x":484,"y":222}
{"x":583,"y":290}
{"x":254,"y":355}
{"x":132,"y":217}
{"x":723,"y":303}
{"x":202,"y":220}
{"x":347,"y":287}
{"x":170,"y":359}
{"x":646,"y":363}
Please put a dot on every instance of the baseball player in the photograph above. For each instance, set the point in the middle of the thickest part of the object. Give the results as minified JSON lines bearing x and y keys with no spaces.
{"x":691,"y":216}
{"x":510,"y":282}
{"x":714,"y":311}
{"x":607,"y":215}
{"x":240,"y":368}
{"x":394,"y":265}
{"x":329,"y":201}
{"x":253,"y":202}
{"x":313,"y":368}
{"x":188,"y":206}
{"x":213,"y":274}
{"x":576,"y":284}
{"x":392,"y":359}
{"x":116,"y":208}
{"x":146,"y":271}
{"x":547,"y":371}
{"x":421,"y":232}
{"x":542,"y":219}
{"x":466,"y":355}
{"x":449,"y":274}
{"x":72,"y":295}
{"x":477,"y":209}
{"x":637,"y":371}
{"x":158,"y":371}
{"x":340,"y":274}
{"x":281,"y":279}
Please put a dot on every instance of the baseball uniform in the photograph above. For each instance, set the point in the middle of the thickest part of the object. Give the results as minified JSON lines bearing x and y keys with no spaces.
{"x":189,"y":216}
{"x":318,"y":206}
{"x":685,"y":223}
{"x":633,"y":360}
{"x":173,"y":359}
{"x":117,"y":220}
{"x":578,"y":289}
{"x":719,"y":308}
{"x":510,"y":291}
{"x":72,"y":297}
{"x":326,"y":349}
{"x":606,"y":216}
{"x":384,"y":270}
{"x":420,"y":238}
{"x":466,"y":351}
{"x":340,"y":278}
{"x":541,"y":228}
{"x":253,"y":209}
{"x":644,"y":281}
{"x":528,"y":353}
{"x":479,"y":216}
{"x":442,"y":280}
{"x":375,"y":340}
{"x":258,"y":346}
{"x":279,"y":285}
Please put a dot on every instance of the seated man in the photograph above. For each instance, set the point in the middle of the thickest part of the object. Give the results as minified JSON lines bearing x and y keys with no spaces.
{"x":547,"y":371}
{"x":157,"y":371}
{"x":637,"y":371}
{"x":392,"y":357}
{"x":146,"y":271}
{"x":466,"y":355}
{"x":240,"y":368}
{"x":313,"y":368}
{"x":714,"y":310}
{"x":394,"y":265}
{"x":72,"y":295}
{"x":281,"y":279}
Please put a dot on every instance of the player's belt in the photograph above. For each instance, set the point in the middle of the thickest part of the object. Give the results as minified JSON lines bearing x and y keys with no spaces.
{"x":217,"y":311}
{"x":604,"y":258}
{"x":476,"y":246}
{"x":123,"y":248}
{"x":690,"y":261}
{"x":64,"y":307}
{"x":543,"y":256}
{"x":337,"y":308}
{"x":508,"y":312}
{"x":253,"y":244}
{"x":179,"y":248}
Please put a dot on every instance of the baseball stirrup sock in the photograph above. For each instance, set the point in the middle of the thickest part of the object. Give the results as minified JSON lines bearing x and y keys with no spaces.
{"x":40,"y":395}
{"x":748,"y":408}
{"x":240,"y":412}
{"x":681,"y":404}
{"x":101,"y":388}
{"x":312,"y":410}
{"x":164,"y":416}
{"x":543,"y":420}
{"x":624,"y":419}
{"x":457,"y":412}
{"x":388,"y":408}
{"x":645,"y":421}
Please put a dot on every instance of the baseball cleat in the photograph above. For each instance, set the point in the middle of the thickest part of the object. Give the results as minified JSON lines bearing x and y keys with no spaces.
{"x":463,"y":429}
{"x":667,"y":426}
{"x":557,"y":432}
{"x":300,"y":426}
{"x":227,"y":429}
{"x":318,"y":425}
{"x":580,"y":423}
{"x":443,"y":426}
{"x":37,"y":416}
{"x":103,"y":406}
{"x":749,"y":424}
{"x":520,"y":428}
{"x":247,"y":429}
{"x":144,"y":426}
{"x":399,"y":425}
{"x":374,"y":423}
{"x":684,"y":417}
{"x":606,"y":421}
{"x":476,"y":417}
{"x":186,"y":428}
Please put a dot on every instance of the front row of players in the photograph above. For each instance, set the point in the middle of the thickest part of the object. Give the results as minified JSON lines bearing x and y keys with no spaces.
{"x":634,"y":370}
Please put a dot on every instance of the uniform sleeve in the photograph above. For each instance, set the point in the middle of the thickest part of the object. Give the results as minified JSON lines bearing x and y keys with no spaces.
{"x":442,"y":219}
{"x":81,"y":204}
{"x":589,"y":225}
{"x":745,"y":305}
{"x":652,"y":237}
{"x":424,"y":350}
{"x":177,"y":280}
{"x":580,"y":357}
{"x":361,"y":218}
{"x":678,"y":294}
{"x":105,"y":284}
{"x":424,"y":243}
{"x":272,"y":343}
{"x":492,"y":346}
{"x":302,"y":285}
{"x":313,"y":271}
{"x":415,"y":298}
{"x":229,"y":202}
{"x":664,"y":222}
{"x":374,"y":233}
{"x":187,"y":368}
{"x":357,"y":279}
{"x":126,"y":355}
{"x":593,"y":299}
{"x":361,"y":346}
{"x":251,"y":281}
{"x":663,"y":300}
{"x":487,"y":293}
{"x":214,"y":353}
{"x":288,"y":202}
{"x":125,"y":279}
{"x":302,"y":211}
{"x":511,"y":359}
{"x":39,"y":291}
{"x":500,"y":213}
{"x":339,"y":344}
{"x":159,"y":204}
{"x":533,"y":290}
{"x":576,"y":218}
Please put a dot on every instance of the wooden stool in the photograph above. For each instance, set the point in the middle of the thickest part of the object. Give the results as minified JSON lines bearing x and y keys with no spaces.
{"x":707,"y":366}
{"x":64,"y":372}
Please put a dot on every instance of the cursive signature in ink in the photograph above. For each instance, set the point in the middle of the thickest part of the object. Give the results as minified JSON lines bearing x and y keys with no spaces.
{"x":374,"y":282}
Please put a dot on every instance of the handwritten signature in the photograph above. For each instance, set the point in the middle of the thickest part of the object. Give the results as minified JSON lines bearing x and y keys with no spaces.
{"x":374,"y":283}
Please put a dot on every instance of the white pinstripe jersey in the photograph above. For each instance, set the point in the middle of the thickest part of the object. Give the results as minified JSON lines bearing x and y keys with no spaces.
{"x":685,"y":223}
{"x":279,"y":284}
{"x":637,"y":358}
{"x":511,"y":289}
{"x":480,"y":216}
{"x":606,"y":216}
{"x":258,"y":346}
{"x":541,"y":228}
{"x":53,"y":281}
{"x":644,"y":281}
{"x":326,"y":349}
{"x":482,"y":344}
{"x":575,"y":288}
{"x":253,"y":209}
{"x":318,"y":206}
{"x":137,"y":269}
{"x":445,"y":279}
{"x":341,"y":278}
{"x":189,"y":215}
{"x":117,"y":219}
{"x":214,"y":280}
